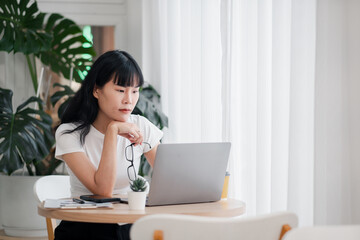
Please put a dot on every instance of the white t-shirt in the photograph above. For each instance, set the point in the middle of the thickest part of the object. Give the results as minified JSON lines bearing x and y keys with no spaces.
{"x":93,"y":145}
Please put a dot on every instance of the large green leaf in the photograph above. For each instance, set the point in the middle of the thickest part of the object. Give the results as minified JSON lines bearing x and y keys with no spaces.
{"x":65,"y":92}
{"x":21,"y":27}
{"x":56,"y":40}
{"x":25,"y":136}
{"x":48,"y":165}
{"x":67,"y":48}
{"x":149,"y":106}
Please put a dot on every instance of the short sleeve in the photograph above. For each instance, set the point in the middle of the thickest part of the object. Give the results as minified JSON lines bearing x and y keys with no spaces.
{"x":152,"y":134}
{"x":67,"y":142}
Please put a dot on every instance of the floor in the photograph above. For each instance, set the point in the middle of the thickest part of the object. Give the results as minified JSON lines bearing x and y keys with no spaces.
{"x":4,"y":237}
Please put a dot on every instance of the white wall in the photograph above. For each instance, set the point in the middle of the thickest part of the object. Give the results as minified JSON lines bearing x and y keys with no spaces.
{"x":14,"y":75}
{"x":93,"y":12}
{"x":337,"y":112}
{"x":134,"y":30}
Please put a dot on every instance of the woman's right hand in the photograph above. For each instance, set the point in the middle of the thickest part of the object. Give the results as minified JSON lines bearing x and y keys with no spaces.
{"x":127,"y":130}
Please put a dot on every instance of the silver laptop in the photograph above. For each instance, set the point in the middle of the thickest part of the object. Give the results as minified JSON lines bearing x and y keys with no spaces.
{"x":188,"y":173}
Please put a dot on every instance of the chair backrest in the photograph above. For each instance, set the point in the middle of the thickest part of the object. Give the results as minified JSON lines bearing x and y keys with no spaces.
{"x":52,"y":187}
{"x":343,"y":232}
{"x":176,"y":227}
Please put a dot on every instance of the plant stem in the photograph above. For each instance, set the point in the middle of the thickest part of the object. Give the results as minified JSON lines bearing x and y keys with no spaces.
{"x":32,"y":72}
{"x":35,"y":71}
{"x":30,"y":171}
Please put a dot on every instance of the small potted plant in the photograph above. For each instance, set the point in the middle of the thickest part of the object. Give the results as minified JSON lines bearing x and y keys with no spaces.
{"x":137,"y":197}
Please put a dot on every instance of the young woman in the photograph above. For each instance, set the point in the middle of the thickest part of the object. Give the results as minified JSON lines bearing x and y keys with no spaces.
{"x":96,"y":132}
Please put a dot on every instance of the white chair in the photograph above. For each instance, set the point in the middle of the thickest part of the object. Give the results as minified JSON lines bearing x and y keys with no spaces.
{"x":175,"y":227}
{"x":52,"y":187}
{"x":339,"y":232}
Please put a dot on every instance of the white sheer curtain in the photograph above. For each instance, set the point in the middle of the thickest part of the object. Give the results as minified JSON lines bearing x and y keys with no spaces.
{"x":255,"y":72}
{"x":224,"y":69}
{"x":268,"y":69}
{"x":182,"y":58}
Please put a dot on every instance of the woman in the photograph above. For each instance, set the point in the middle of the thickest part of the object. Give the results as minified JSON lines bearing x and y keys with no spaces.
{"x":95,"y":130}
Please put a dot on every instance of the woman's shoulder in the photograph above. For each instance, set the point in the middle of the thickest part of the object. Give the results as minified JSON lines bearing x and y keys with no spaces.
{"x":66,"y":127}
{"x":137,"y":119}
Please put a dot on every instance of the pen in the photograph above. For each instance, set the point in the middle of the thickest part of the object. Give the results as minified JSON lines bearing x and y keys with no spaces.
{"x":78,"y":201}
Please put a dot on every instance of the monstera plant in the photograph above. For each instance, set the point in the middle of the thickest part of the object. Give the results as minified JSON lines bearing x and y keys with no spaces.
{"x":25,"y":135}
{"x":57,"y":41}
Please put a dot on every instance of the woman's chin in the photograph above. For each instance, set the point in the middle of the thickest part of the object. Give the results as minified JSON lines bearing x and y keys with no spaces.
{"x":123,"y":118}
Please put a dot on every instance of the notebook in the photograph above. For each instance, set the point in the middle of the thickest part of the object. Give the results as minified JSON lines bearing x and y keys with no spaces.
{"x":188,"y":173}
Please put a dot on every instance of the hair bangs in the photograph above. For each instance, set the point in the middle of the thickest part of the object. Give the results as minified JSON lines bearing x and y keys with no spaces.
{"x":128,"y":75}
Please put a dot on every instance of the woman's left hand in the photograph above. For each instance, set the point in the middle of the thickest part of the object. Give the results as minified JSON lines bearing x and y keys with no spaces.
{"x":128,"y":130}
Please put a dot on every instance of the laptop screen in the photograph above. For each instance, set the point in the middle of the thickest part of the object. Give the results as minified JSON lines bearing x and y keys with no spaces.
{"x":188,"y":173}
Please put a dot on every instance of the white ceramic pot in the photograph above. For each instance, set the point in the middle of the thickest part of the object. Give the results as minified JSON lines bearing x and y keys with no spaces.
{"x":136,"y":200}
{"x":19,"y":207}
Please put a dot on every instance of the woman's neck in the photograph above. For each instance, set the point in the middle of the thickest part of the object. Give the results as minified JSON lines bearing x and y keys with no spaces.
{"x":101,"y":123}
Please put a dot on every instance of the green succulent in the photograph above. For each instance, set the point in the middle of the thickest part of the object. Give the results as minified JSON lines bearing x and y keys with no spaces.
{"x":138,"y":185}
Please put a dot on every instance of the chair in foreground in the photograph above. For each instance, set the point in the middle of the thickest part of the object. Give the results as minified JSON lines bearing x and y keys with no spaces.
{"x":175,"y":227}
{"x":52,"y":187}
{"x":343,"y":232}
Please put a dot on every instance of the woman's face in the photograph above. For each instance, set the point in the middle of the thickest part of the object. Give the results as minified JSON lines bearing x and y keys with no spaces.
{"x":116,"y":102}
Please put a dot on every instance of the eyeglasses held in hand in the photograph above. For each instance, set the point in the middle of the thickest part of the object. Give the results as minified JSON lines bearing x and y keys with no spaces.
{"x":129,"y":155}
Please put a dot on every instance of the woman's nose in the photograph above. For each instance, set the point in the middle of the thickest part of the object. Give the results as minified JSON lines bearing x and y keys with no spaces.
{"x":127,"y":98}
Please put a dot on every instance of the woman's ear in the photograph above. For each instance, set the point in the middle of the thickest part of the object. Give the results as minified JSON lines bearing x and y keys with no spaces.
{"x":95,"y":92}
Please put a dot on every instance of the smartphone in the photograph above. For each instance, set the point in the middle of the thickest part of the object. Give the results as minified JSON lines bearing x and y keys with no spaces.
{"x":99,"y":199}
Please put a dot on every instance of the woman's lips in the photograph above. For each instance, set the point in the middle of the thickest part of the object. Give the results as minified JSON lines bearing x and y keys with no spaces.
{"x":125,"y":110}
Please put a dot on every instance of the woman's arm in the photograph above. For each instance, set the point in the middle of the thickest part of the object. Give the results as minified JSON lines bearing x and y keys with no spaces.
{"x":150,"y":155}
{"x":101,"y":181}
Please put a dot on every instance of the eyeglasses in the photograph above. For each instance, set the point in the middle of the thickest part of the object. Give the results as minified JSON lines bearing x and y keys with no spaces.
{"x":129,"y":155}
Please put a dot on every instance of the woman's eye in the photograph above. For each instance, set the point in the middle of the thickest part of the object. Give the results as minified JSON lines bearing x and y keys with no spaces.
{"x":121,"y":90}
{"x":135,"y":91}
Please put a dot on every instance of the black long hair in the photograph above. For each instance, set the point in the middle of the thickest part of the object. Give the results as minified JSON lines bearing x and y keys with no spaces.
{"x":83,"y":107}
